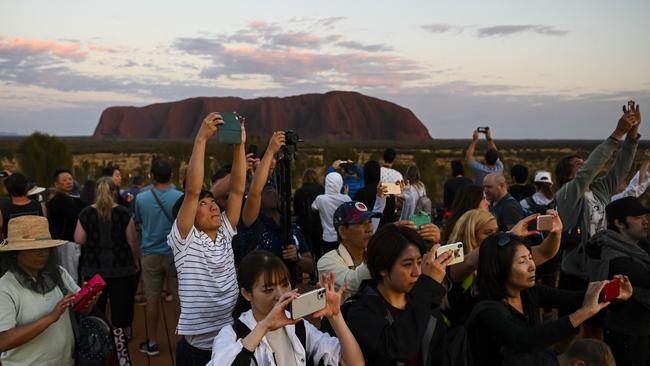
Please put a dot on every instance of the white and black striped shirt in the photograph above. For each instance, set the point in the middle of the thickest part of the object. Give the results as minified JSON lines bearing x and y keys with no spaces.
{"x":207,"y":282}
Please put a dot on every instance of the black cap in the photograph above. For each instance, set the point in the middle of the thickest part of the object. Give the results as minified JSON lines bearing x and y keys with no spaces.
{"x":624,"y":207}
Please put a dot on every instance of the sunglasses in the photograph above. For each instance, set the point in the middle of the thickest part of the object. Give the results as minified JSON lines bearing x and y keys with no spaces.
{"x":505,"y":238}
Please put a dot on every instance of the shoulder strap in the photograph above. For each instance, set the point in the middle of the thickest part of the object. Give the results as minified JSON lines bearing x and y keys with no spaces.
{"x":162,"y":208}
{"x":301,"y":333}
{"x":241,"y":330}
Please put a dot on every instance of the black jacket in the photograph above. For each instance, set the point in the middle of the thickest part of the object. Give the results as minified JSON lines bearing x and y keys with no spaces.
{"x":501,"y":335}
{"x":385,"y":342}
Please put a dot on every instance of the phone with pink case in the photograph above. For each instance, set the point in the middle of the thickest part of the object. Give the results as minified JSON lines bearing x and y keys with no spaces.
{"x":86,"y":294}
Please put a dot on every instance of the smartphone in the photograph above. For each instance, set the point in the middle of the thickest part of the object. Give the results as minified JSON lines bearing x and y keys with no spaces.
{"x":230,"y":131}
{"x":90,"y":289}
{"x":544,"y":222}
{"x":482,"y":129}
{"x":610,"y":291}
{"x":393,"y":188}
{"x":252,"y":149}
{"x":630,"y":105}
{"x":457,"y":248}
{"x":308,"y":303}
{"x":3,"y":174}
{"x":420,"y":219}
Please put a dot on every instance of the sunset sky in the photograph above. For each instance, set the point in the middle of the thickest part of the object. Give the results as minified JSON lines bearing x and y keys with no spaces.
{"x":528,"y":69}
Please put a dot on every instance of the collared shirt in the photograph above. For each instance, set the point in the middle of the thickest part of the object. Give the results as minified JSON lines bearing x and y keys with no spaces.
{"x":207,"y":282}
{"x":340,"y":263}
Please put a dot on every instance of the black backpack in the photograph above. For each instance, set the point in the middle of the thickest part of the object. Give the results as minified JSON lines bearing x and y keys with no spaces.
{"x":534,"y":207}
{"x":242,"y":330}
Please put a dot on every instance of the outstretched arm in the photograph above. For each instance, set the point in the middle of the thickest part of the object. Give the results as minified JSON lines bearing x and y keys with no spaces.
{"x":488,"y":138}
{"x":194,"y":178}
{"x":469,"y":154}
{"x":237,"y":179}
{"x":253,"y":202}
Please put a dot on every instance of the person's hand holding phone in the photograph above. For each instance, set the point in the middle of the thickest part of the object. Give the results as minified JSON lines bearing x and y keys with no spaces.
{"x":625,"y":290}
{"x":625,"y":123}
{"x":333,"y":306}
{"x":557,"y":222}
{"x":488,"y":133}
{"x":430,"y":232}
{"x":475,"y":135}
{"x":336,"y":164}
{"x":436,"y":268}
{"x":242,"y":122}
{"x":382,"y":191}
{"x":277,"y":318}
{"x":522,"y":227}
{"x":209,"y":126}
{"x":590,"y":302}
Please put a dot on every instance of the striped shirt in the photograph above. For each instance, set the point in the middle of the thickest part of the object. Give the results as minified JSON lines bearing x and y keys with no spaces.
{"x":207,"y":282}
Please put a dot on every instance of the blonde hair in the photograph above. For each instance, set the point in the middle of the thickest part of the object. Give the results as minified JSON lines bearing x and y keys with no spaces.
{"x":466,"y":227}
{"x":104,"y":200}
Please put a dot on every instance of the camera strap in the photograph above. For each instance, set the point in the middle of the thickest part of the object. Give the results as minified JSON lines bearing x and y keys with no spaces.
{"x":162,"y":208}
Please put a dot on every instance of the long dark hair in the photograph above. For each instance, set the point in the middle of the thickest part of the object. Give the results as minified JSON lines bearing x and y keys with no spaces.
{"x":495,"y":264}
{"x":564,"y":170}
{"x":255,"y":264}
{"x":467,"y":198}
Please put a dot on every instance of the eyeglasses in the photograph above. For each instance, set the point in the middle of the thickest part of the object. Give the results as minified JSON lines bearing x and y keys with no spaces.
{"x":505,"y":238}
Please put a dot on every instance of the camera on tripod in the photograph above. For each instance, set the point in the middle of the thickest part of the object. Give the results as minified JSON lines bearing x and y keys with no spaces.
{"x":291,"y":138}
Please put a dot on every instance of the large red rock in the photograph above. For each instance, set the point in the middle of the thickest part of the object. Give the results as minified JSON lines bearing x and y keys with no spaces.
{"x":335,"y":115}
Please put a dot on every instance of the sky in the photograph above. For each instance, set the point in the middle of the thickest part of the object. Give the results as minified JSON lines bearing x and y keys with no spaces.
{"x":540,"y":69}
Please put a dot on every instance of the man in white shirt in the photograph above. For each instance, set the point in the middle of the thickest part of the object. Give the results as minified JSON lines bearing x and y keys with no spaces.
{"x":201,"y":239}
{"x":353,"y":223}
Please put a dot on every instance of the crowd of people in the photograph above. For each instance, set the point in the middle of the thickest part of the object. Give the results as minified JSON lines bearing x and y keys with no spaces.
{"x":529,"y":283}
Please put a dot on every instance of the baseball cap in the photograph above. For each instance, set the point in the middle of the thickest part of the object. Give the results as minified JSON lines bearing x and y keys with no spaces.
{"x":543,"y":177}
{"x":624,"y":207}
{"x":352,"y":212}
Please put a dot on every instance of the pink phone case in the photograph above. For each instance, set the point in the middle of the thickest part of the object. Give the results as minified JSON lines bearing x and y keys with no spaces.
{"x":87,"y":292}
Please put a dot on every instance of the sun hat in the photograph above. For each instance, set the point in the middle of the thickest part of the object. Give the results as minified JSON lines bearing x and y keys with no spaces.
{"x":28,"y":232}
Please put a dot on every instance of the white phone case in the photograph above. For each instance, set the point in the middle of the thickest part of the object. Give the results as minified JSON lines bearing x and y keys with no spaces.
{"x":457,"y":248}
{"x":308,"y":303}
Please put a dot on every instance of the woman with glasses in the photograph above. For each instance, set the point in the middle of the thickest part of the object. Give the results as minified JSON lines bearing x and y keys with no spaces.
{"x":505,"y":327}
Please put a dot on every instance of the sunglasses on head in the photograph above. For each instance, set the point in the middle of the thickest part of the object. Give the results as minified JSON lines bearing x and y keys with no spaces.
{"x":505,"y":238}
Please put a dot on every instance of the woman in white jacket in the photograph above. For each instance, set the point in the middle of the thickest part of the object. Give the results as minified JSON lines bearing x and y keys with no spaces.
{"x":270,"y":336}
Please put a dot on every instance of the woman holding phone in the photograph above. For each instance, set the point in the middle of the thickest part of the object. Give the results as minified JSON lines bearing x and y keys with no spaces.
{"x":395,"y":318}
{"x":265,"y":334}
{"x":505,"y":328}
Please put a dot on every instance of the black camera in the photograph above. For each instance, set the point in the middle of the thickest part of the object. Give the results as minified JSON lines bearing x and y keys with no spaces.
{"x":291,"y":138}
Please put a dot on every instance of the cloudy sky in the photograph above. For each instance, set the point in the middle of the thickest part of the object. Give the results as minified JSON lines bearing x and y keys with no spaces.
{"x":535,"y":68}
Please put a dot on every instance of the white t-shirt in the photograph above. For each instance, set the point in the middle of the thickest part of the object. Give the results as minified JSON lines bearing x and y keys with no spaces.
{"x":207,"y":282}
{"x":20,"y":306}
{"x":389,"y":175}
{"x":597,"y":208}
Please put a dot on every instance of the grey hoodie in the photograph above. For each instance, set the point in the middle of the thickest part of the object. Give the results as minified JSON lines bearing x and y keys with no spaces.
{"x":571,"y":201}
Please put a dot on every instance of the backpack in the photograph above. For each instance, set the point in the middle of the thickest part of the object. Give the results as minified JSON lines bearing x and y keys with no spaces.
{"x":452,"y":345}
{"x":242,"y":330}
{"x":423,"y":204}
{"x":534,"y":207}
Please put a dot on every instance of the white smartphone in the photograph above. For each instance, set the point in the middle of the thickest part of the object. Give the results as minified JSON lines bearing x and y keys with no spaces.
{"x":393,"y":188}
{"x":456,"y":248}
{"x":544,"y":222}
{"x":308,"y":303}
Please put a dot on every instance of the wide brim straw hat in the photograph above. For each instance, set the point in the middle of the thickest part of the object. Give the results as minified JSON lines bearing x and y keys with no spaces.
{"x":27,"y":233}
{"x":35,"y":190}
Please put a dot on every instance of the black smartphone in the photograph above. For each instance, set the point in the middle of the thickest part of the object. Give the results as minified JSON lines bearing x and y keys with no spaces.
{"x":252,"y":149}
{"x":230,"y":131}
{"x":482,"y":129}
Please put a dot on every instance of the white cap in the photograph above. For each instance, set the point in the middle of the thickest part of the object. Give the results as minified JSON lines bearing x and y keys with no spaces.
{"x":543,"y":177}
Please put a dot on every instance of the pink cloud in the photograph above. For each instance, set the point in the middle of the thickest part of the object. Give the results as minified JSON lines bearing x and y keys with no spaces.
{"x":98,"y":48}
{"x":31,"y":47}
